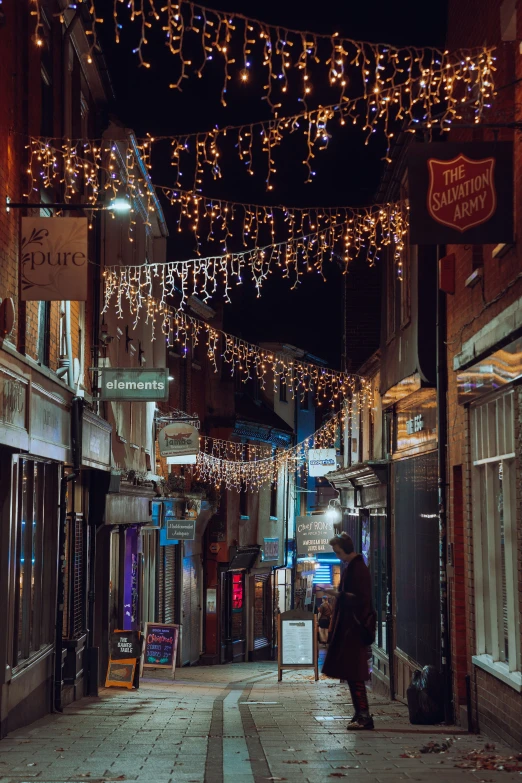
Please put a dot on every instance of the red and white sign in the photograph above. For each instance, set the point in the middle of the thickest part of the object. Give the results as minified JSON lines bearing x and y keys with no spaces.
{"x":178,"y":439}
{"x":461,"y":191}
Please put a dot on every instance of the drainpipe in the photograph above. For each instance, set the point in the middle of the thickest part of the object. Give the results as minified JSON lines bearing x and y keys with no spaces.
{"x":389,"y":595}
{"x":76,"y":440}
{"x":442,"y":434}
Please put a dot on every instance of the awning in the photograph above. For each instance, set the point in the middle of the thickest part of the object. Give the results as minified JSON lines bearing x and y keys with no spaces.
{"x":244,"y":558}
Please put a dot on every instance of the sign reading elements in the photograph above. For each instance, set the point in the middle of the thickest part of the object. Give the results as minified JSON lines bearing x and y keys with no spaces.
{"x":297,"y":647}
{"x":134,"y":384}
{"x":461,"y":193}
{"x":271,"y":549}
{"x":161,"y":645}
{"x":321,"y":461}
{"x":313,"y":534}
{"x":54,"y":259}
{"x":178,"y":439}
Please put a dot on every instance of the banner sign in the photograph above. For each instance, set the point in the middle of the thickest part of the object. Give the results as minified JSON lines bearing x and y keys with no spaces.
{"x":313,"y":534}
{"x":161,"y":644}
{"x":321,"y":461}
{"x":134,"y":384}
{"x":461,"y":193}
{"x":178,"y":439}
{"x":54,"y":259}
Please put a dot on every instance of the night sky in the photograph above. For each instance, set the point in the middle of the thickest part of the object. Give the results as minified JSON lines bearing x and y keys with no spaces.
{"x":348,"y":172}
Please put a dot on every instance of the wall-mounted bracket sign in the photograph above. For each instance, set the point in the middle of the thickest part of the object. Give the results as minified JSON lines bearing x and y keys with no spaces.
{"x":134,"y":384}
{"x":313,"y":534}
{"x":297,"y":642}
{"x":321,"y":461}
{"x":461,"y":193}
{"x":178,"y":439}
{"x":54,"y":259}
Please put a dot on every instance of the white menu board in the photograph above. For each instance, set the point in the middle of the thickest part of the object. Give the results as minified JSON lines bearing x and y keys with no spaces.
{"x":298,"y":642}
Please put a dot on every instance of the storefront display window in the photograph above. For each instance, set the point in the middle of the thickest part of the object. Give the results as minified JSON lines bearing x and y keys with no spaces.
{"x":237,"y":606}
{"x":377,"y":564}
{"x":261,"y":608}
{"x":35,"y":534}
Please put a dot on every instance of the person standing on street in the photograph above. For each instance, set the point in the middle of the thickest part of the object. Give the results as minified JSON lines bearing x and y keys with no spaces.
{"x":352,"y":630}
{"x":325,"y":616}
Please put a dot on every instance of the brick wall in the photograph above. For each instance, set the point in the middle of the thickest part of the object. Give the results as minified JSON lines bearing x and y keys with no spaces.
{"x":497,"y":708}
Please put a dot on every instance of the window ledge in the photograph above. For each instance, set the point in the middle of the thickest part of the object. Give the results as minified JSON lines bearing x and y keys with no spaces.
{"x":499,"y":670}
{"x":243,"y":516}
{"x":274,"y":519}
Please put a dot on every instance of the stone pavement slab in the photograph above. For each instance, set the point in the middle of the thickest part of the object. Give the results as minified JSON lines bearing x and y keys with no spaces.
{"x":235,"y":724}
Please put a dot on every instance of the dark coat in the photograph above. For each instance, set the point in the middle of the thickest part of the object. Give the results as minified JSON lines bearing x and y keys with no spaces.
{"x":347,"y":655}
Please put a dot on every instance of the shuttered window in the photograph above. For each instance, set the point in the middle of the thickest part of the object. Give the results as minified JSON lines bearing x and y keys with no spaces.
{"x":167,"y":584}
{"x":495,"y":538}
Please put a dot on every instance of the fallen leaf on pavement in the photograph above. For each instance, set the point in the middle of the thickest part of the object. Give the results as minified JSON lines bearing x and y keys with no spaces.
{"x":410,"y":754}
{"x":487,"y":759}
{"x":275,"y":778}
{"x":59,"y":750}
{"x":344,"y":766}
{"x":289,"y":750}
{"x":437,"y":747}
{"x":337,"y":775}
{"x":294,"y":761}
{"x":32,"y":764}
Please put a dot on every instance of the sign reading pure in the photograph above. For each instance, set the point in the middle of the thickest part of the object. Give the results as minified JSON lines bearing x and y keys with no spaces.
{"x":134,"y":384}
{"x":178,"y":439}
{"x":54,"y":259}
{"x":461,"y":193}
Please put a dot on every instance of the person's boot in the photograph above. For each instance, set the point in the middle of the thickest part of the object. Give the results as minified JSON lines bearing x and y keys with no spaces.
{"x":361,"y":722}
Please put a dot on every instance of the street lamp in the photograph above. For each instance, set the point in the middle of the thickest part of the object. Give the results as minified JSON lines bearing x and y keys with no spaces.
{"x":120,"y":205}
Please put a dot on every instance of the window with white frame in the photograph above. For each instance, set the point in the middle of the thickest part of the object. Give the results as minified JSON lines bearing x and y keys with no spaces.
{"x":495,"y":539}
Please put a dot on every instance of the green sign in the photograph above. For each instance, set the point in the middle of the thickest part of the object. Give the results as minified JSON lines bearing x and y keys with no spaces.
{"x":134,"y":384}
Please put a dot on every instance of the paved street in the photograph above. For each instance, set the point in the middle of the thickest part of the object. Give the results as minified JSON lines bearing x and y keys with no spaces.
{"x":236,"y":724}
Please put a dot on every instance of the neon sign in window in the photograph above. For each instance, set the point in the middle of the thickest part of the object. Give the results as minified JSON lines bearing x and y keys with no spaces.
{"x":237,"y":592}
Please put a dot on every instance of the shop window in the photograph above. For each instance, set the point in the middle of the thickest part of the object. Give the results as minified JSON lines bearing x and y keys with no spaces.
{"x":237,"y":606}
{"x":495,"y":539}
{"x":377,"y":563}
{"x":35,"y":543}
{"x":273,"y":499}
{"x":261,"y":613}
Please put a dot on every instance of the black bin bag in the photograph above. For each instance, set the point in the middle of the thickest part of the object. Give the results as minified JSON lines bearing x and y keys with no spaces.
{"x":425,"y":697}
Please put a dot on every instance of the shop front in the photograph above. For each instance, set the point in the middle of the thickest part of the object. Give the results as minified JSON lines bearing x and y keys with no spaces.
{"x":34,"y":449}
{"x":415,"y":537}
{"x":234,"y":595}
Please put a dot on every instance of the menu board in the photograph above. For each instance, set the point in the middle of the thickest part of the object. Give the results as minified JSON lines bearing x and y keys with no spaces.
{"x":297,"y":642}
{"x":161,"y":645}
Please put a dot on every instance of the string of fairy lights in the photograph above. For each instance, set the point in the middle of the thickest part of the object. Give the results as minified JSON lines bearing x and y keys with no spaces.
{"x":255,"y":471}
{"x":272,"y":368}
{"x":366,"y":230}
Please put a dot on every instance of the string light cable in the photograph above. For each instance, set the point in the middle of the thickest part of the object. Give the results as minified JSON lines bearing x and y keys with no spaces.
{"x":368,"y":230}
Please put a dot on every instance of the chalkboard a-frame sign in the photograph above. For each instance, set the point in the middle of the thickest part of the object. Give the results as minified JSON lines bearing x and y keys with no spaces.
{"x":161,"y":646}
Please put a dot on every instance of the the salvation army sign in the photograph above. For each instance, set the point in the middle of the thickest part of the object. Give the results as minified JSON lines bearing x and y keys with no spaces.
{"x":54,"y":259}
{"x":178,"y":439}
{"x":461,"y":193}
{"x":321,"y":461}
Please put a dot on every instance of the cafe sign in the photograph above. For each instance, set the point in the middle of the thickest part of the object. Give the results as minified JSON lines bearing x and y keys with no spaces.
{"x":461,"y":193}
{"x":178,"y":439}
{"x":313,"y":534}
{"x":134,"y":384}
{"x":54,"y":259}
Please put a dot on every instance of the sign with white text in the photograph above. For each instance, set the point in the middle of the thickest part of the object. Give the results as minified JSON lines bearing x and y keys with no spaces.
{"x":54,"y":259}
{"x":461,"y":193}
{"x":321,"y":461}
{"x":313,"y":533}
{"x":134,"y":384}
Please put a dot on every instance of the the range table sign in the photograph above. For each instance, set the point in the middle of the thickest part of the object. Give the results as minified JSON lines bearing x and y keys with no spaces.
{"x":134,"y":384}
{"x":125,"y":644}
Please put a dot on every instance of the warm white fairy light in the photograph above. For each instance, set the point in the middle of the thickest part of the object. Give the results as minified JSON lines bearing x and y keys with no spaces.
{"x":366,"y":230}
{"x":272,"y":368}
{"x":252,"y":472}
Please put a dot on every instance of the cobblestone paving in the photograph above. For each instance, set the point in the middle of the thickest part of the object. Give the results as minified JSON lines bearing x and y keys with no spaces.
{"x":235,"y":724}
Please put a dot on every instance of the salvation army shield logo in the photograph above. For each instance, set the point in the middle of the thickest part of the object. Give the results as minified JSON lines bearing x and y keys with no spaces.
{"x":461,"y":191}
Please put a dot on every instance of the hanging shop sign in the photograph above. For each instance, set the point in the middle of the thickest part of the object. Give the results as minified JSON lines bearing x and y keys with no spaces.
{"x":461,"y":193}
{"x":321,"y":461}
{"x":178,"y":439}
{"x":54,"y":259}
{"x":271,"y":549}
{"x":134,"y":384}
{"x":180,"y":529}
{"x":313,"y":534}
{"x":161,"y":645}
